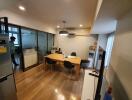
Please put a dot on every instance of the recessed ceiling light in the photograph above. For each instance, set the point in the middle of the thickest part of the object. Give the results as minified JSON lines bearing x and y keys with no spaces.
{"x":58,"y":26}
{"x":21,"y":7}
{"x":81,"y":25}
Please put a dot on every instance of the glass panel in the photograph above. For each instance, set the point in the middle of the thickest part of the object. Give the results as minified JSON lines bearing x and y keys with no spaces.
{"x":42,"y":45}
{"x":2,"y":29}
{"x":14,"y":31}
{"x":29,"y":39}
{"x":16,"y":36}
{"x":29,"y":46}
{"x":50,"y":41}
{"x":3,"y":25}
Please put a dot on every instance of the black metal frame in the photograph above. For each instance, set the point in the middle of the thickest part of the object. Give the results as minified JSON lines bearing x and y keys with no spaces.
{"x":100,"y":78}
{"x":21,"y":55}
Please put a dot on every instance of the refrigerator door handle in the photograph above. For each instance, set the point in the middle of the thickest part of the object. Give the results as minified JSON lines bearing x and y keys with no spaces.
{"x":3,"y":79}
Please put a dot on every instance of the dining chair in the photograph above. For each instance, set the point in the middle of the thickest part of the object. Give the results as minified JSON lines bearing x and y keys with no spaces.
{"x":68,"y":65}
{"x":84,"y":64}
{"x":51,"y":63}
{"x":59,"y":52}
{"x":73,"y":54}
{"x":48,"y":52}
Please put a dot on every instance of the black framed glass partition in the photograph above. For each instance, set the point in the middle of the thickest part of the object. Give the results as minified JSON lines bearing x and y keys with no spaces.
{"x":42,"y":45}
{"x":50,"y":41}
{"x":3,"y":25}
{"x":14,"y":31}
{"x":29,"y":47}
{"x":2,"y":29}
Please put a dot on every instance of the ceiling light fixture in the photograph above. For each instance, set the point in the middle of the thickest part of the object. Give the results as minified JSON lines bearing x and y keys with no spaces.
{"x":81,"y":25}
{"x":22,"y":8}
{"x":58,"y":26}
{"x":64,"y":34}
{"x":63,"y":31}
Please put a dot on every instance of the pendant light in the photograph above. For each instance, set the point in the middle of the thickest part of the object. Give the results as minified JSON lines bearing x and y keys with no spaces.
{"x":63,"y":31}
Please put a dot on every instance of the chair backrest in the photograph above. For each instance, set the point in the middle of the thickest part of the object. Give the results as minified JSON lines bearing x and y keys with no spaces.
{"x":73,"y":54}
{"x":68,"y":64}
{"x":85,"y":61}
{"x":59,"y":52}
{"x":49,"y":61}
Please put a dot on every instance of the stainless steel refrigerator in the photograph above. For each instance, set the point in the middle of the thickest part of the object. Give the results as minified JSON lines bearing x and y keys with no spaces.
{"x":7,"y":82}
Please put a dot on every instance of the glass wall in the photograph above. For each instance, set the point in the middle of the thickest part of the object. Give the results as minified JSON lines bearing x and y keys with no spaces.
{"x":3,"y":25}
{"x":29,"y":47}
{"x":14,"y":32}
{"x":50,"y":41}
{"x":42,"y":45}
{"x":2,"y":29}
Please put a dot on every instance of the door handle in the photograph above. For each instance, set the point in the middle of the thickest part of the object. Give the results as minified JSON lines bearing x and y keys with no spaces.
{"x":3,"y":79}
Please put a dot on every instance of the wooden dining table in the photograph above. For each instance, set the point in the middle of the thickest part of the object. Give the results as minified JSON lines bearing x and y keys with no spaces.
{"x":73,"y":59}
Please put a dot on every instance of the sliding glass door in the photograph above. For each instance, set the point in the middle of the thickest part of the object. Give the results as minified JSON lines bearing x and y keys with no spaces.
{"x":50,"y":41}
{"x":29,"y":47}
{"x":14,"y":32}
{"x":42,"y":45}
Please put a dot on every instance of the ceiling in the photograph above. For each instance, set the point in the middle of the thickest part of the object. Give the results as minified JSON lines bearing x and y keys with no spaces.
{"x":52,"y":12}
{"x":7,"y":3}
{"x":109,"y":14}
{"x":75,"y":12}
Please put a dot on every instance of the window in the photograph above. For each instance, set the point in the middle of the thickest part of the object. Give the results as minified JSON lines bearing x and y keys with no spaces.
{"x":13,"y":31}
{"x":16,"y":36}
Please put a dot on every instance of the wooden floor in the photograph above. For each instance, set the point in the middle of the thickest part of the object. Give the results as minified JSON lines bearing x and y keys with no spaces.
{"x":37,"y":84}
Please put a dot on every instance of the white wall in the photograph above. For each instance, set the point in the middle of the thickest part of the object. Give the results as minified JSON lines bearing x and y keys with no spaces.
{"x":98,"y":8}
{"x":120,"y":72}
{"x":23,"y":19}
{"x":78,"y":44}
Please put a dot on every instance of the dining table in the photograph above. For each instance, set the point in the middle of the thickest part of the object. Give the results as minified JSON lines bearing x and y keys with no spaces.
{"x":73,"y":59}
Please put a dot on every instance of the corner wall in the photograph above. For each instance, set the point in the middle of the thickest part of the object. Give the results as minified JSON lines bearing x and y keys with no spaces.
{"x":119,"y":73}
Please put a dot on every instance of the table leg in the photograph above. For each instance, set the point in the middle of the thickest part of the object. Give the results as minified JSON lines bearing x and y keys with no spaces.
{"x":44,"y":64}
{"x":77,"y":71}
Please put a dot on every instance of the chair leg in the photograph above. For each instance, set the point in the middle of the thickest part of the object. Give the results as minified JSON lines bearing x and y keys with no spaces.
{"x":52,"y":67}
{"x":71,"y":73}
{"x":47,"y":66}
